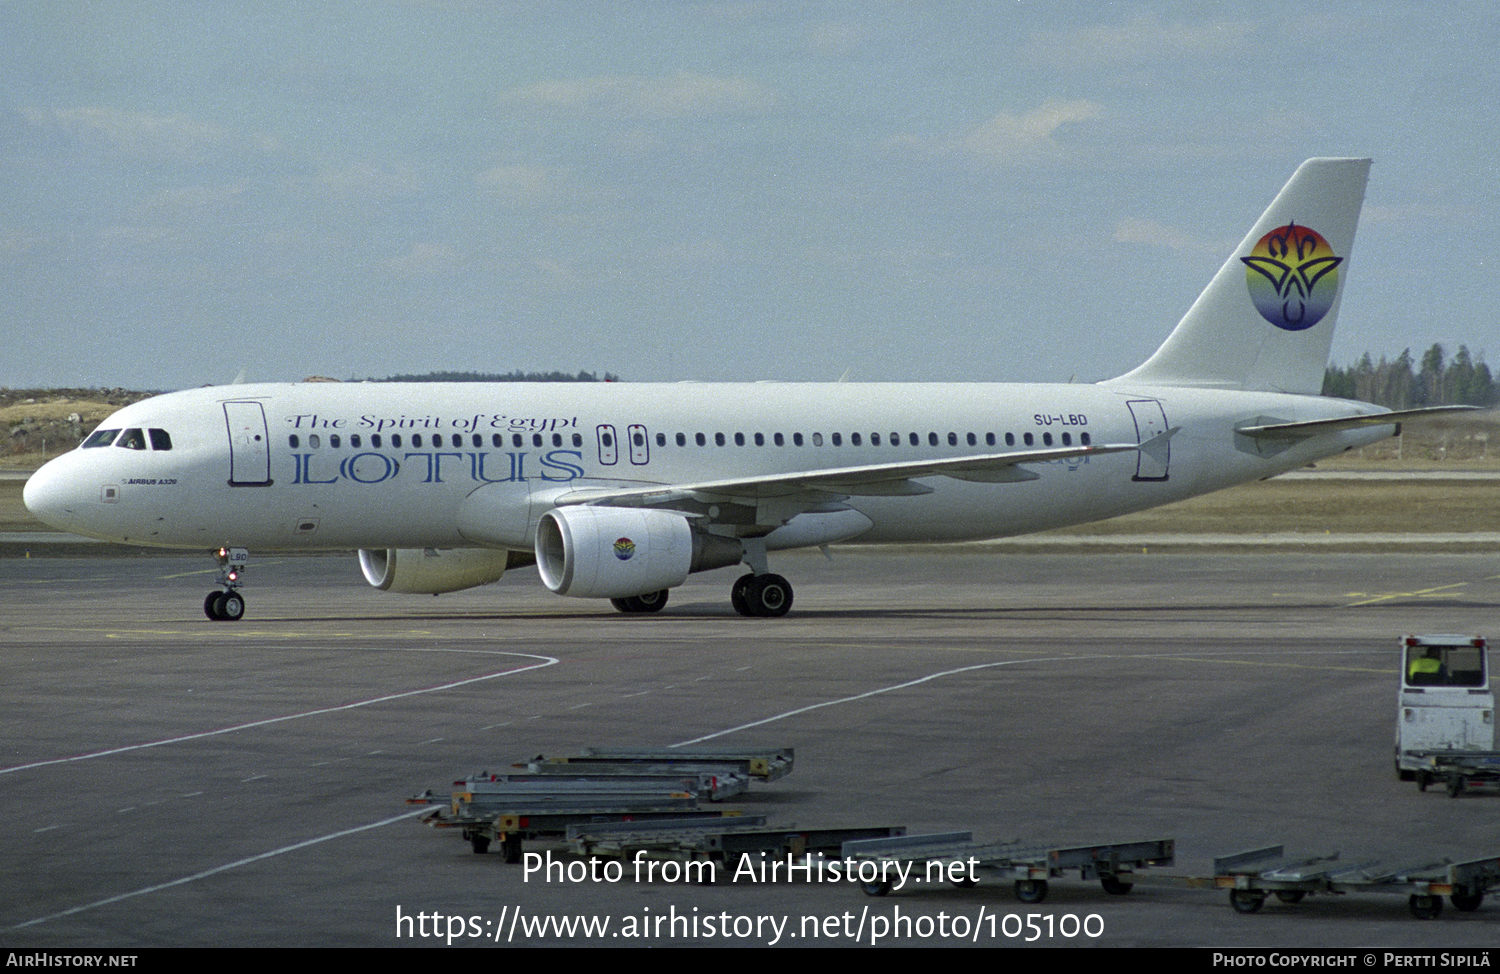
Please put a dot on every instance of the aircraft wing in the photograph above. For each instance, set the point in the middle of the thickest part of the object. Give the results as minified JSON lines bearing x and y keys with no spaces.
{"x":887,"y":479}
{"x":1283,"y":431}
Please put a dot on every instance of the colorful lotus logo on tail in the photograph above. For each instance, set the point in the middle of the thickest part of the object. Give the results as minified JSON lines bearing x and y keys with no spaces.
{"x":1293,"y":277}
{"x":624,"y":548}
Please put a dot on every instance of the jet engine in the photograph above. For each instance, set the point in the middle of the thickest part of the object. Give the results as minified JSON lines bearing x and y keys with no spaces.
{"x":616,"y":552}
{"x":429,"y":571}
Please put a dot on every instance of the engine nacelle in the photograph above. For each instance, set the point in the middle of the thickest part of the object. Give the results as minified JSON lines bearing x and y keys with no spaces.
{"x":613,"y":552}
{"x":429,"y":571}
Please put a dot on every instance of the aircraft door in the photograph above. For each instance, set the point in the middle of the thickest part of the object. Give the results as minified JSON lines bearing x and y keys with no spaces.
{"x":609,"y":445}
{"x":1150,"y":421}
{"x":640,"y":451}
{"x":249,"y":445}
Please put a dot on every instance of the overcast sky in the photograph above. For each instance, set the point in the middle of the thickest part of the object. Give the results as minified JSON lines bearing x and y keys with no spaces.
{"x":727,"y":190}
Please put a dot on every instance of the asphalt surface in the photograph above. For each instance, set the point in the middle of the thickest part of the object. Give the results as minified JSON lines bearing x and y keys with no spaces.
{"x":168,"y":781}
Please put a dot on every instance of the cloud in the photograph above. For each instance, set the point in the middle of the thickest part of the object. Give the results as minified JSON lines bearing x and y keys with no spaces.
{"x":136,"y":133}
{"x":1132,"y":230}
{"x":427,"y":260}
{"x":516,"y":185}
{"x":682,"y":95}
{"x":1027,"y":137}
{"x":1145,"y":38}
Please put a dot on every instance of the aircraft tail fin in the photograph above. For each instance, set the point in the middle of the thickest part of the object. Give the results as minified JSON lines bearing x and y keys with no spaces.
{"x":1265,"y":321}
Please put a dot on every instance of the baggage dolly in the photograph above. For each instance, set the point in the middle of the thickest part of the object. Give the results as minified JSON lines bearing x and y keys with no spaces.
{"x":1029,"y":865}
{"x":1251,"y":875}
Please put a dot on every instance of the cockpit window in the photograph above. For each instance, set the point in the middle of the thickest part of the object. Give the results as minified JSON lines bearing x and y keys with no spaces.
{"x":100,"y":438}
{"x":160,"y":439}
{"x":133,"y":439}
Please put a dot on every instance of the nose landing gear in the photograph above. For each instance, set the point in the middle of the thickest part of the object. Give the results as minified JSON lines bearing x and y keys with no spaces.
{"x":226,"y":604}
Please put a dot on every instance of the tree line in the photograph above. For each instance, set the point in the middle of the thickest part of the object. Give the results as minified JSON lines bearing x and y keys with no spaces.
{"x":516,"y":376}
{"x":1405,"y":383}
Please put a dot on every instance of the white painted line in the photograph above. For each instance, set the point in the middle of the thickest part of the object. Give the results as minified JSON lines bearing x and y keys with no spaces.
{"x":546,"y":661}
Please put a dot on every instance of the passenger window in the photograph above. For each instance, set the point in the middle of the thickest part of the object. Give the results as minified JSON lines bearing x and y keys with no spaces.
{"x":416,"y":440}
{"x":817,"y":439}
{"x":661,"y":439}
{"x":1067,"y":439}
{"x":1047,"y":439}
{"x":536,"y":439}
{"x":779,"y":440}
{"x":1010,"y":439}
{"x":291,"y":441}
{"x":100,"y":438}
{"x":334,"y":441}
{"x":837,"y":439}
{"x":973,"y":440}
{"x":874,"y":439}
{"x":854,"y":439}
{"x":916,"y":440}
{"x":1083,"y":438}
{"x":932,"y":439}
{"x":699,"y":439}
{"x":796,"y":439}
{"x":953,"y":439}
{"x":989,"y":439}
{"x":739,"y":439}
{"x":477,"y":439}
{"x":517,"y":440}
{"x":718,"y":439}
{"x":682,"y":439}
{"x":760,"y":439}
{"x":497,"y":440}
{"x":375,"y":440}
{"x":578,"y":439}
{"x":355,"y":441}
{"x":396,"y":440}
{"x":133,"y":439}
{"x":1027,"y":439}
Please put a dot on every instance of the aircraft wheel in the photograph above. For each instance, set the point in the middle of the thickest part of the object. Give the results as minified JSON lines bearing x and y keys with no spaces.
{"x":1031,"y":890}
{"x":1425,"y":907}
{"x":1464,"y":901}
{"x":211,"y":605}
{"x":650,"y":602}
{"x":768,"y":596}
{"x":737,"y":594}
{"x":231,"y":607}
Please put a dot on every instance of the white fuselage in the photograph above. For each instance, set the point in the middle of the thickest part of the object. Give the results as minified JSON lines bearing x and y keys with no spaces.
{"x":375,"y":465}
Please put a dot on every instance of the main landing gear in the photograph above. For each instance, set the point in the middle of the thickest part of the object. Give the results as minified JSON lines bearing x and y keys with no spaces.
{"x":226,"y":604}
{"x":761,"y":595}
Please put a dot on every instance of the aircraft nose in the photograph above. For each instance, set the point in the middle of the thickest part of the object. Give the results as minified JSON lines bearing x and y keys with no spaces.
{"x":52,"y":496}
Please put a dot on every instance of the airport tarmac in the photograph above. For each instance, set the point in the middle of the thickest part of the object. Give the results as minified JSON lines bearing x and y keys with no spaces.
{"x":168,"y":781}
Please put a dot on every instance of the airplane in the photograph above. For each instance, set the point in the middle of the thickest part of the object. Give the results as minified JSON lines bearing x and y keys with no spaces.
{"x":621,"y":491}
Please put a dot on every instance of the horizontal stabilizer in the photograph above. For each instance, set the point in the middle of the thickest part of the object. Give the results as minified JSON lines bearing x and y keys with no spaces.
{"x":1297,"y":431}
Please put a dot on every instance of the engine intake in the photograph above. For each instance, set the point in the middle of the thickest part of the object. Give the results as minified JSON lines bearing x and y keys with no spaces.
{"x":614,"y":552}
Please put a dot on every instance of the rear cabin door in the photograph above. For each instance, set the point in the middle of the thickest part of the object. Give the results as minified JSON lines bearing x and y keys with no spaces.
{"x":1150,"y":421}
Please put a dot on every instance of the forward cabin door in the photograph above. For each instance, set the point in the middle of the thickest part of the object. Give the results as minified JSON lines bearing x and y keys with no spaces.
{"x":249,"y":445}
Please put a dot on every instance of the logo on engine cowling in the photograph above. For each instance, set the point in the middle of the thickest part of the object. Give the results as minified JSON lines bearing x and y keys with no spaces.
{"x":624,"y":548}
